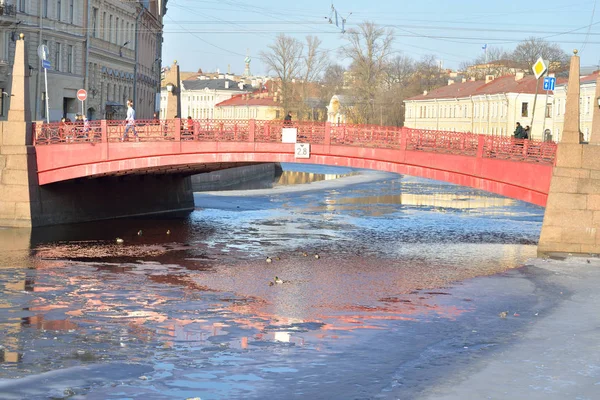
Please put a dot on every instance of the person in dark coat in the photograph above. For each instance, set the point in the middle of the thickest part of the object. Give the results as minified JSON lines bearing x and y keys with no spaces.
{"x":288,"y":119}
{"x":527,"y":132}
{"x":519,"y":133}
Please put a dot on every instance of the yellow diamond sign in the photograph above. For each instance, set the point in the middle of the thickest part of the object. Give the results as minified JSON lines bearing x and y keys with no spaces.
{"x":539,"y":68}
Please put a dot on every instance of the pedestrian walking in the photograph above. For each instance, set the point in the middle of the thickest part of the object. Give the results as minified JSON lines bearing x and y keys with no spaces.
{"x":130,"y":124}
{"x":288,"y":119}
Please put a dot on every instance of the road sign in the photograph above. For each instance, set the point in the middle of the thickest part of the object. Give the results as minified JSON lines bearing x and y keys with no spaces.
{"x":539,"y":67}
{"x":302,"y":150}
{"x":289,"y":135}
{"x":549,"y":83}
{"x":81,"y":95}
{"x":46,"y":64}
{"x":43,"y":52}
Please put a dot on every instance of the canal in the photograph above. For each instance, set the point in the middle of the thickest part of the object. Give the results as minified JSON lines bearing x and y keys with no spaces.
{"x":386,"y":284}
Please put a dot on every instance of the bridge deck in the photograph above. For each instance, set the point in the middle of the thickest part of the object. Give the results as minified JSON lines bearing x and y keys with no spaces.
{"x":519,"y":169}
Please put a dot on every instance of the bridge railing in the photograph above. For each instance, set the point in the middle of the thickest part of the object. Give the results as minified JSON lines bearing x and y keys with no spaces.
{"x":465,"y":143}
{"x":317,"y":133}
{"x":508,"y":148}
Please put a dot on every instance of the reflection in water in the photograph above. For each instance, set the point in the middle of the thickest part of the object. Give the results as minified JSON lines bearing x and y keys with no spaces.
{"x":188,"y":299}
{"x":288,"y":178}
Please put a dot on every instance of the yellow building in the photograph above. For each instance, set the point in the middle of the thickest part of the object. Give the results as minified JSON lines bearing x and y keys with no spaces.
{"x":260,"y":106}
{"x":492,"y":106}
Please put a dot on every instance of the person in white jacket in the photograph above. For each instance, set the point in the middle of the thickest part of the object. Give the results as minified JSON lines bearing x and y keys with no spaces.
{"x":130,"y":125}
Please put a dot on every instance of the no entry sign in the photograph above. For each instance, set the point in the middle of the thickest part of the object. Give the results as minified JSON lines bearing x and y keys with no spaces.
{"x":81,"y":95}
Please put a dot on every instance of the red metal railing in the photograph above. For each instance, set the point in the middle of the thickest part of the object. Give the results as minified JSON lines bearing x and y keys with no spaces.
{"x":316,"y":133}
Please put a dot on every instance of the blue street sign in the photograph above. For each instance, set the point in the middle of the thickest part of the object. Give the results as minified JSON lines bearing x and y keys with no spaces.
{"x":46,"y":64}
{"x":549,"y":83}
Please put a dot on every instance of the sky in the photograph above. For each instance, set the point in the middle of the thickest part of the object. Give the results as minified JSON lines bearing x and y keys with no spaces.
{"x":218,"y":34}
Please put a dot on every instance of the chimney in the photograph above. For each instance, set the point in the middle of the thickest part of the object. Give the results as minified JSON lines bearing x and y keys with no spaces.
{"x":450,"y":82}
{"x":226,"y":84}
{"x":489,"y":78}
{"x":519,"y":76}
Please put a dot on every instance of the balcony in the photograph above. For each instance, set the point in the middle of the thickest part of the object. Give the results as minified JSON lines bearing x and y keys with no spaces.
{"x":8,"y":10}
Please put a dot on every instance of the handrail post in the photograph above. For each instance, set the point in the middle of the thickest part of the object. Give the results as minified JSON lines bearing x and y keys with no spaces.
{"x":525,"y":148}
{"x":327,"y":137}
{"x":104,"y":130}
{"x":403,"y":138}
{"x":251,"y":130}
{"x":177,"y":134}
{"x":480,"y":146}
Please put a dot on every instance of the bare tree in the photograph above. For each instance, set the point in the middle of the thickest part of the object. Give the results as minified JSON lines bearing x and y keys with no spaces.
{"x":399,"y":71}
{"x":332,"y":82}
{"x":498,"y":62}
{"x":315,"y":61}
{"x":528,"y":51}
{"x":284,"y":59}
{"x":430,"y":73}
{"x":369,"y":49}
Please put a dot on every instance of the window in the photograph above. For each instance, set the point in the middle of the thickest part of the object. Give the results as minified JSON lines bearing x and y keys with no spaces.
{"x":71,"y":11}
{"x":549,"y":110}
{"x":7,"y":43}
{"x":1,"y":102}
{"x":110,"y":33}
{"x":45,"y":9}
{"x":57,"y":51}
{"x":59,"y":9}
{"x":117,"y":31}
{"x":524,"y":109}
{"x":21,"y":5}
{"x":587,"y":105}
{"x":70,"y":59}
{"x":104,"y":31}
{"x":94,"y":22}
{"x":43,"y":104}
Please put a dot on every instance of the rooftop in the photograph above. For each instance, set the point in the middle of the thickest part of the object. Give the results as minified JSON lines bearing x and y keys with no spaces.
{"x":256,"y":99}
{"x":503,"y":84}
{"x":214,"y":84}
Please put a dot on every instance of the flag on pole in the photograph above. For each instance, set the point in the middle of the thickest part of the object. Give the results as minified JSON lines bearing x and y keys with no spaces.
{"x":484,"y":47}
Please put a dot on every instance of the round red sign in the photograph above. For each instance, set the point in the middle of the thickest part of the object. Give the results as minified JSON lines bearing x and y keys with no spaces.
{"x":81,"y":94}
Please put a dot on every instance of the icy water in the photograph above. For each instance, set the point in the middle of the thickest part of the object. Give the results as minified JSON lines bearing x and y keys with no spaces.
{"x":377,"y":295}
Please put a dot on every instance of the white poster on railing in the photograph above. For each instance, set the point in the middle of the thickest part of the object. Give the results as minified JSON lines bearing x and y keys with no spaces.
{"x":289,"y":135}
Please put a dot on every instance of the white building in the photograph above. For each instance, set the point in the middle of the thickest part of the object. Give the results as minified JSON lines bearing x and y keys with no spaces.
{"x":587,"y":102}
{"x":492,"y":107}
{"x":199,"y":96}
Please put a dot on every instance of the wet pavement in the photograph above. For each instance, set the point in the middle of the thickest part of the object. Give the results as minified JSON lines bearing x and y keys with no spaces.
{"x":391,"y":288}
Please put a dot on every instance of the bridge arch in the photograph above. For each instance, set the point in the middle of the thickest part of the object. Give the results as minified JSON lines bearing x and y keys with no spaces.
{"x":498,"y":165}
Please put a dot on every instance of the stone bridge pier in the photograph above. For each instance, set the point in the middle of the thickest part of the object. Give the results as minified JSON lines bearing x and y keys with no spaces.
{"x":23,"y":203}
{"x":572,"y":217}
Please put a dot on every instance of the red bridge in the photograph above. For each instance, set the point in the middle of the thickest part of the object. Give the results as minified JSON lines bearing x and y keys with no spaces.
{"x":512,"y":168}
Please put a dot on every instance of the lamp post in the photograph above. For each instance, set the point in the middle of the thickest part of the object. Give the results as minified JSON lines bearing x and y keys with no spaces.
{"x":121,"y":48}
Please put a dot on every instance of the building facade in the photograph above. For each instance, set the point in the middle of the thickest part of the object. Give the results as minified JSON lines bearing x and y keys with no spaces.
{"x":200,"y":96}
{"x":60,"y":25}
{"x":587,"y":102}
{"x":93,"y":45}
{"x":259,"y":106}
{"x":492,"y":106}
